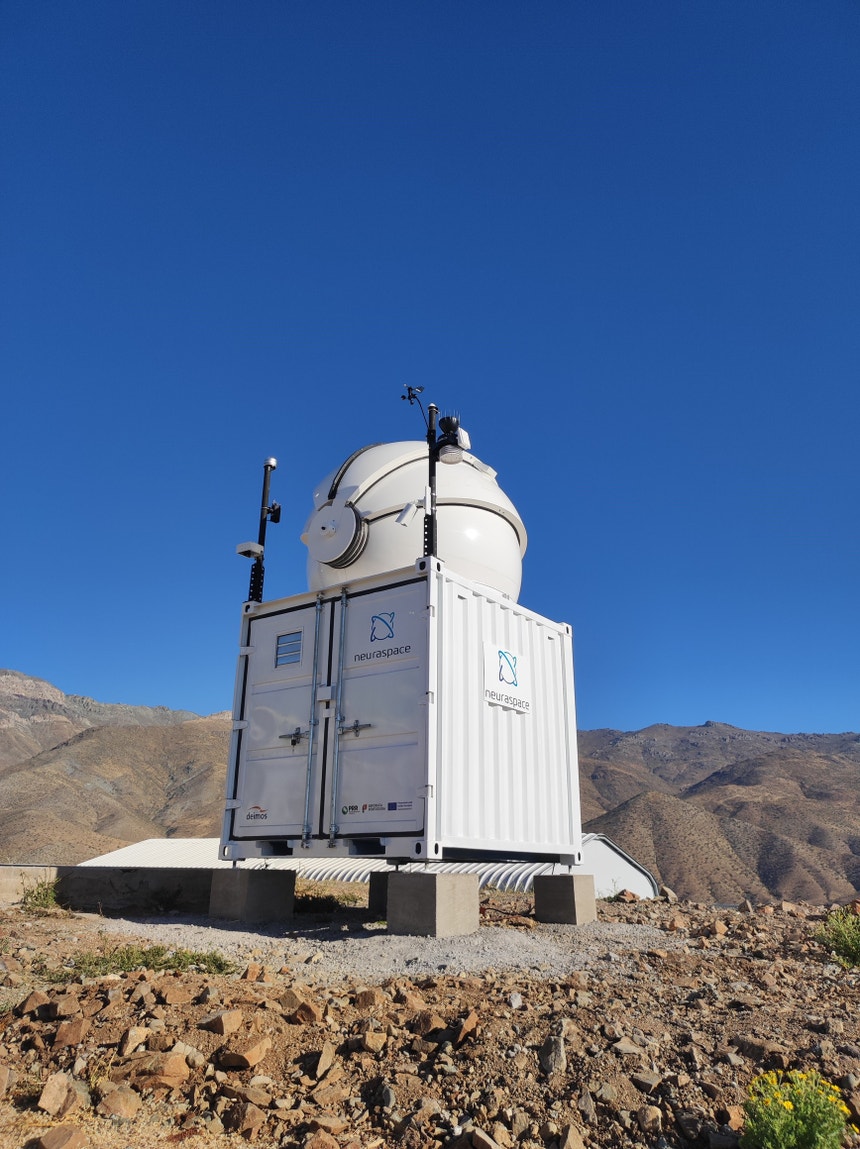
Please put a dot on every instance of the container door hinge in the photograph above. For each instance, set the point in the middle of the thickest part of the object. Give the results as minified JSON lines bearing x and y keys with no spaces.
{"x":428,"y":790}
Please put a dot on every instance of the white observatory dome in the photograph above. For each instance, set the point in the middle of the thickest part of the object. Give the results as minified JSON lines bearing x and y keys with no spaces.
{"x":368,"y":519}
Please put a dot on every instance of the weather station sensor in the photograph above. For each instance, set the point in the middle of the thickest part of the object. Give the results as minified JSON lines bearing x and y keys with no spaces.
{"x":405,"y":707}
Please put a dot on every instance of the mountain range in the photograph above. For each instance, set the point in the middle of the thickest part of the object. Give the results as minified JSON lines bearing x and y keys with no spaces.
{"x":717,"y":813}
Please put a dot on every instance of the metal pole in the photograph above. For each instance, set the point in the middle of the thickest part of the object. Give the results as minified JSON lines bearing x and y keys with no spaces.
{"x":312,"y":725}
{"x":338,"y":727}
{"x":258,"y":572}
{"x":430,"y":515}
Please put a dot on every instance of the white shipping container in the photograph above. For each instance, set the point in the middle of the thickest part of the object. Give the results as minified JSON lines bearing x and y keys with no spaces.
{"x":415,"y":716}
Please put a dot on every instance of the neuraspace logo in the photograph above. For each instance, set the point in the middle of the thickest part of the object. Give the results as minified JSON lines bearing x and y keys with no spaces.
{"x":382,"y":630}
{"x":508,"y":668}
{"x":382,"y":627}
{"x":506,"y":680}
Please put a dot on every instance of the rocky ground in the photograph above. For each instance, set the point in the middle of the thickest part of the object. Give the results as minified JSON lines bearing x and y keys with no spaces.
{"x":643,"y":1030}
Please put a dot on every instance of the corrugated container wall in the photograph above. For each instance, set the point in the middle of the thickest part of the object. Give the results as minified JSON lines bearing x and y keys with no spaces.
{"x":505,"y":724}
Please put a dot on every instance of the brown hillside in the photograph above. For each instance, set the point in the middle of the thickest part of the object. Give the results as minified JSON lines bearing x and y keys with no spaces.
{"x":35,"y":716}
{"x":682,"y":756}
{"x":707,"y":858}
{"x":110,"y":786}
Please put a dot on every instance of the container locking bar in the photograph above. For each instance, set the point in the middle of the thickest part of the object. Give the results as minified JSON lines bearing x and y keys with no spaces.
{"x":353,"y":728}
{"x":335,"y":774}
{"x":313,"y":722}
{"x":296,"y":735}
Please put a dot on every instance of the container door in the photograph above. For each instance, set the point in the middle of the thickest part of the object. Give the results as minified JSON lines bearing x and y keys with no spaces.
{"x":376,"y":770}
{"x":279,"y":753}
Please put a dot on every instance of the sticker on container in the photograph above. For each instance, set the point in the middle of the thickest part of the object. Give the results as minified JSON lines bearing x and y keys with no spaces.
{"x":506,"y":679}
{"x":382,"y":632}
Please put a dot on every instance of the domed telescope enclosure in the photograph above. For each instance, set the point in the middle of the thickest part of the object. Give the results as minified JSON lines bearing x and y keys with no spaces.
{"x":368,"y":520}
{"x":405,"y":706}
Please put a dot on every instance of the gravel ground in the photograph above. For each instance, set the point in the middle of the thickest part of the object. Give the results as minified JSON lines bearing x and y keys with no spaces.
{"x":350,"y":948}
{"x":642,"y":1029}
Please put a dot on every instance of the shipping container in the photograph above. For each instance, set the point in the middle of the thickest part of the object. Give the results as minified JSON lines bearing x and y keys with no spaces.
{"x":414,"y":715}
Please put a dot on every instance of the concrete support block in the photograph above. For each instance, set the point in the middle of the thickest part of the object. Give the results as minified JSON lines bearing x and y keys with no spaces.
{"x":377,"y":896}
{"x":433,"y":905}
{"x":252,"y":895}
{"x":565,"y":899}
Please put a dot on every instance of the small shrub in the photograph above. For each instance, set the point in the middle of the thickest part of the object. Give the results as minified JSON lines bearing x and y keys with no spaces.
{"x":37,"y":897}
{"x":98,"y":1070}
{"x":126,"y":959}
{"x":794,"y":1110}
{"x":27,"y":1089}
{"x":841,"y":934}
{"x":617,"y":895}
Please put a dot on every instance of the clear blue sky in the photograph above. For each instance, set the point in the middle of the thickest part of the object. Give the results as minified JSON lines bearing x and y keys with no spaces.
{"x":622,"y":239}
